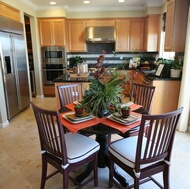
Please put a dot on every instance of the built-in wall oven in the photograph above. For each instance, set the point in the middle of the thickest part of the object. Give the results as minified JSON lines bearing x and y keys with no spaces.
{"x":54,"y":63}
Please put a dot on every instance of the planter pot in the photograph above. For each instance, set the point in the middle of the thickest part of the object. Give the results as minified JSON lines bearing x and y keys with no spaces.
{"x":79,"y":111}
{"x":175,"y":73}
{"x":125,"y":113}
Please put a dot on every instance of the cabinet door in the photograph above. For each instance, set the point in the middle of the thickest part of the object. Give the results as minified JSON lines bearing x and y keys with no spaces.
{"x":45,"y":32}
{"x":58,"y":27}
{"x":169,"y":25}
{"x":100,"y":22}
{"x":76,"y":36}
{"x":122,"y":35}
{"x":52,"y":32}
{"x":9,"y":12}
{"x":152,"y":32}
{"x":176,"y":25}
{"x":136,"y":35}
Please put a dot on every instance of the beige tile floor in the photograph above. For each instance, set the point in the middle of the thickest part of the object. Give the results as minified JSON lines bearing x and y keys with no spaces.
{"x":20,"y":160}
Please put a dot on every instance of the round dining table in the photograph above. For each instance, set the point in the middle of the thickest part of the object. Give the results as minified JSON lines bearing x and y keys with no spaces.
{"x":102,"y":132}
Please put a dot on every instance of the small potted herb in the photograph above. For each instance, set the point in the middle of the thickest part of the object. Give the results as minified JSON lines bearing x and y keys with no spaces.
{"x":79,"y":109}
{"x":125,"y":111}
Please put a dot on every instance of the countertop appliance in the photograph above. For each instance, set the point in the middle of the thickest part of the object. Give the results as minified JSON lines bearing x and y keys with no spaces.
{"x":14,"y":66}
{"x":54,"y":63}
{"x":97,"y":34}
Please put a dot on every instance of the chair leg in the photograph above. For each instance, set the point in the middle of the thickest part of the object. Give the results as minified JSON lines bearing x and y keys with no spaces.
{"x":44,"y":172}
{"x":96,"y":171}
{"x":136,"y":183}
{"x":166,"y":177}
{"x":65,"y":179}
{"x":111,"y":172}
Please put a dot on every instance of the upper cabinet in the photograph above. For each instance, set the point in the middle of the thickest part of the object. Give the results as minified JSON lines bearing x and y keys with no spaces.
{"x":122,"y":35}
{"x":52,"y":32}
{"x":152,"y":33}
{"x":176,"y":25}
{"x":130,"y":35}
{"x":100,"y":22}
{"x":136,"y":32}
{"x":75,"y":35}
{"x":9,"y":12}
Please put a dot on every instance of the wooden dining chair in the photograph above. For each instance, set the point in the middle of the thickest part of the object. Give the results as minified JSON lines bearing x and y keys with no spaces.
{"x":143,"y":156}
{"x":65,"y":152}
{"x":70,"y":93}
{"x":142,"y":94}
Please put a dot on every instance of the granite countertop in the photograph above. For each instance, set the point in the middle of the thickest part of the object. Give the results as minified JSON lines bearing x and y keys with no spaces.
{"x":67,"y":77}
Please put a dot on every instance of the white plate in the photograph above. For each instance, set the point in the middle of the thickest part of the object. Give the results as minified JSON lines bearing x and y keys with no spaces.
{"x":77,"y":121}
{"x":118,"y":120}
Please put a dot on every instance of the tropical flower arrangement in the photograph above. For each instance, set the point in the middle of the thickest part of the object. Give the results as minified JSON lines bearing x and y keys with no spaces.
{"x":102,"y":95}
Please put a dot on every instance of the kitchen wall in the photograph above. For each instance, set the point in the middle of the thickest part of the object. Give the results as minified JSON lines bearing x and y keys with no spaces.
{"x":95,"y":49}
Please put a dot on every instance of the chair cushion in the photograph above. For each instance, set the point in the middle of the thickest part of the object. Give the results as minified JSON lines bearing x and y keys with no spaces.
{"x":125,"y":150}
{"x":79,"y":147}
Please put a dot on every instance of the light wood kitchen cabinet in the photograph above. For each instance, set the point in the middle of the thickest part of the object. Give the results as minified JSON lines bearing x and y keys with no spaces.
{"x":49,"y":90}
{"x":9,"y":12}
{"x":136,"y":33}
{"x":130,"y":34}
{"x":152,"y":33}
{"x":76,"y":35}
{"x":52,"y":32}
{"x":100,"y":22}
{"x":166,"y":96}
{"x":176,"y":25}
{"x":122,"y":35}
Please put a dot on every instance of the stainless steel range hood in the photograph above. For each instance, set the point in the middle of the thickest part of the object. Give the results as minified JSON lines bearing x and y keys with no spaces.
{"x":100,"y":34}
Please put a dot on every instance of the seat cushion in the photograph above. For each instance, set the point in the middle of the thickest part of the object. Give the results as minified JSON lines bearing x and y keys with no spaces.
{"x":79,"y":147}
{"x":125,"y":150}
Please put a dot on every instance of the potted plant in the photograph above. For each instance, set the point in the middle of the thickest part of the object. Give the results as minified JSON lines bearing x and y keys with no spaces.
{"x":73,"y":61}
{"x":175,"y":71}
{"x":79,"y":109}
{"x":125,"y":111}
{"x":103,"y":94}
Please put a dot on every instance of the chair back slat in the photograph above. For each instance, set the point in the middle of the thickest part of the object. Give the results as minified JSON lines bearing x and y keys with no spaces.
{"x":142,"y":94}
{"x":157,"y":144}
{"x":51,"y":132}
{"x":70,"y":93}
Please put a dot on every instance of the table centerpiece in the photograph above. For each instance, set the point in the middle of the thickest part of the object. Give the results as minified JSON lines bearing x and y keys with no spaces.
{"x":104,"y":93}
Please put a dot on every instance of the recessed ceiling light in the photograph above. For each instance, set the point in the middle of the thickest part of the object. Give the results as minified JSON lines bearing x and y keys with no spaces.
{"x":86,"y":2}
{"x":52,"y":3}
{"x":121,"y":1}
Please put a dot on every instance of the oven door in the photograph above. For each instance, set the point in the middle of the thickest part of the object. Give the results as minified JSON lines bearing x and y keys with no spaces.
{"x":51,"y":72}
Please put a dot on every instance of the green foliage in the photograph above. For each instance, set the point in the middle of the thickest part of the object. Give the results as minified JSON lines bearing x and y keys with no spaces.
{"x":175,"y":64}
{"x":100,"y":95}
{"x":73,"y":61}
{"x":126,"y":107}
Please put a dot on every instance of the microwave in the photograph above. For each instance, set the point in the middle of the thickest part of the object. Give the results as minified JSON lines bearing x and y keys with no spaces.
{"x":54,"y":55}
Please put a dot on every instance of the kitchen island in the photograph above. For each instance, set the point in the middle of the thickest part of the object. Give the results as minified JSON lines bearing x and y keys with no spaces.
{"x":166,"y":93}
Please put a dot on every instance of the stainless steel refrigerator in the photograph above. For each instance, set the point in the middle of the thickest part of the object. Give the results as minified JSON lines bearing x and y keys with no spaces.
{"x":14,"y":66}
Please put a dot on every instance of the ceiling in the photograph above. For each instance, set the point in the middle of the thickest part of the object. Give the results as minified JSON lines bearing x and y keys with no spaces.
{"x":94,"y":5}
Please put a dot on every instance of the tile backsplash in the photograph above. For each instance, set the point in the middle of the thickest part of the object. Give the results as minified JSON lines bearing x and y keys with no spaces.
{"x":95,"y":49}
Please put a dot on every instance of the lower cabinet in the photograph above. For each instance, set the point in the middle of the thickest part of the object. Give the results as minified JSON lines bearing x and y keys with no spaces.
{"x":166,"y":96}
{"x":49,"y":90}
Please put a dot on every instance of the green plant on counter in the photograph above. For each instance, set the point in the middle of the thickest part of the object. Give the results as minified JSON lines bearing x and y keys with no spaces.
{"x":175,"y":64}
{"x":73,"y":61}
